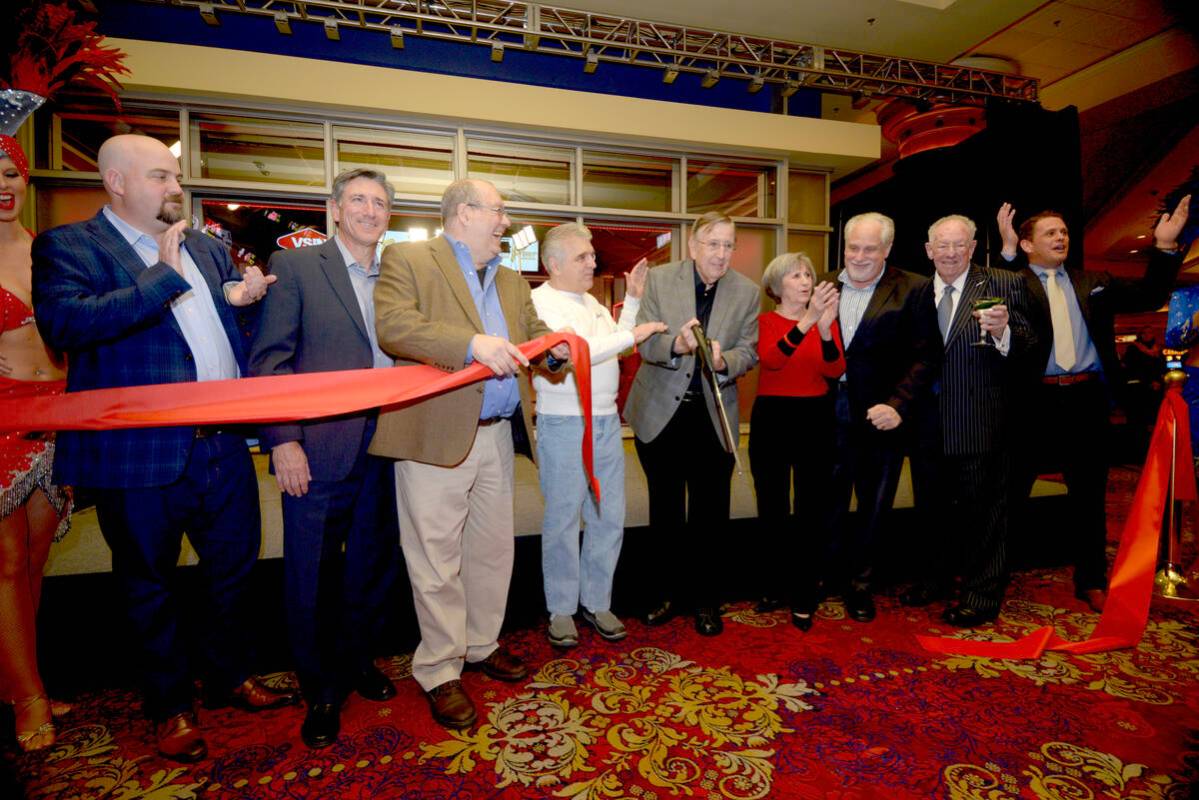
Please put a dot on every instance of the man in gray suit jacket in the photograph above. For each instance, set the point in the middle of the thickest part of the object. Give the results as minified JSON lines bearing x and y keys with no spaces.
{"x":321,"y":319}
{"x":671,"y":408}
{"x":961,"y":465}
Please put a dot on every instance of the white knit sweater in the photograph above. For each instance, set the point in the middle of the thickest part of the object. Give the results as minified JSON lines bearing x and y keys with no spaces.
{"x":607,"y":339}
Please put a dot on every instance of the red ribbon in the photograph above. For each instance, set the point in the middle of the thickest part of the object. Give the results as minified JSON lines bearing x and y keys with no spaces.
{"x":1130,"y":587}
{"x":276,"y":398}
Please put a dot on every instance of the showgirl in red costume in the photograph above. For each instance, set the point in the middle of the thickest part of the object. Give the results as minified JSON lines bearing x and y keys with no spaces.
{"x":33,"y":511}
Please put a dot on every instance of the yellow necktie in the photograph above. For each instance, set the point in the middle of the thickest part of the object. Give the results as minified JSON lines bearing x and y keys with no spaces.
{"x":1063,"y":331}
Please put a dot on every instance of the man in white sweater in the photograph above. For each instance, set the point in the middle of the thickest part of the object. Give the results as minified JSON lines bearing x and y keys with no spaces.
{"x":573,"y":578}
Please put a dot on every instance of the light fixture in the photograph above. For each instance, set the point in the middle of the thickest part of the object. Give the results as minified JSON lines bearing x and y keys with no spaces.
{"x":756,"y":84}
{"x":282,"y":23}
{"x":592,"y":62}
{"x":418,"y":234}
{"x":176,"y":149}
{"x":497,"y":52}
{"x":397,"y":37}
{"x":209,"y":14}
{"x":790,"y":88}
{"x":670,"y":74}
{"x":233,"y":206}
{"x":1143,"y":236}
{"x":710,"y":79}
{"x":331,"y":30}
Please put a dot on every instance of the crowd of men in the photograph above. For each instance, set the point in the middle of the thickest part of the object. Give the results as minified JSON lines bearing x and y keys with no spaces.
{"x":134,"y":297}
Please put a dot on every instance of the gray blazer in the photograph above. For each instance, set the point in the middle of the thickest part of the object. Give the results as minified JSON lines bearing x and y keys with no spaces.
{"x":311,"y":322}
{"x":663,"y":377}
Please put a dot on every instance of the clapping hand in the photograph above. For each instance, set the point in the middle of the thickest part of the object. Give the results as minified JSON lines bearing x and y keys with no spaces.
{"x":1169,"y":227}
{"x":634,"y":279}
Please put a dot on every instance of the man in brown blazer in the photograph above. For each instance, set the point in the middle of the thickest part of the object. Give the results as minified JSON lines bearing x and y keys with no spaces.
{"x":449,"y":302}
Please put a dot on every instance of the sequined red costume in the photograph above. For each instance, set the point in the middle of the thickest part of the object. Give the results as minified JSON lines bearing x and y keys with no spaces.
{"x":26,"y":459}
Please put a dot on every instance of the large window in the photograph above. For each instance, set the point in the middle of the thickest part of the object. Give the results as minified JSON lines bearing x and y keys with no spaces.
{"x":415,"y":163}
{"x":68,"y":133}
{"x":626,"y":181}
{"x":245,"y":150}
{"x":739,"y":190}
{"x":807,"y":198}
{"x":523,"y":173}
{"x":253,"y":230}
{"x":58,"y":205}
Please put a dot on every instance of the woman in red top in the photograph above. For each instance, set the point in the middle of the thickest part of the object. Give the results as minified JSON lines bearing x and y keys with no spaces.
{"x":791,"y":428}
{"x":33,"y":511}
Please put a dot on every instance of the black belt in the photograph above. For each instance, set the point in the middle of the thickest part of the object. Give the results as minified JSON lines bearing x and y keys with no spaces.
{"x":483,"y":423}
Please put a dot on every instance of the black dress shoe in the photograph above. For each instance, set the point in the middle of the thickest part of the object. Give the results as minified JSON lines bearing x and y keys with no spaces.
{"x":661,"y":614}
{"x":966,"y":617}
{"x":768,"y":604}
{"x":859,"y":604}
{"x":802,"y":620}
{"x":321,"y":725}
{"x":372,"y":684}
{"x":921,"y":594}
{"x":708,"y":622}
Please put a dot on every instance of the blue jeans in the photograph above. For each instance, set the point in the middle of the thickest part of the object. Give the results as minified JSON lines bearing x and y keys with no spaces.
{"x":572,"y":576}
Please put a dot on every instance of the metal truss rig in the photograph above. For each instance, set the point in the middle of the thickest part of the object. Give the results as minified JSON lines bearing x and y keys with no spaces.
{"x":596,"y":38}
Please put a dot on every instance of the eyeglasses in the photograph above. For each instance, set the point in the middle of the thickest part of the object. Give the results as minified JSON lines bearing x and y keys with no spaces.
{"x":499,"y":211}
{"x":713,"y":246}
{"x":956,"y":247}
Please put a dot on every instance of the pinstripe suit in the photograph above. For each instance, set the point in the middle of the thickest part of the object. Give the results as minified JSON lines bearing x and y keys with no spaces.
{"x":961,"y":464}
{"x":96,"y":299}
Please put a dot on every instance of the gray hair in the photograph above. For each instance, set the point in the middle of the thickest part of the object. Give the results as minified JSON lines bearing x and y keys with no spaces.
{"x":461,"y":191}
{"x":782,"y":266}
{"x":885,"y":223}
{"x":708,"y":220}
{"x":555,"y":238}
{"x":971,"y":228}
{"x":343,"y":180}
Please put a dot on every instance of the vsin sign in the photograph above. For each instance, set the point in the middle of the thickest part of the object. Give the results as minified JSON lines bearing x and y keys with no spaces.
{"x":304,"y":237}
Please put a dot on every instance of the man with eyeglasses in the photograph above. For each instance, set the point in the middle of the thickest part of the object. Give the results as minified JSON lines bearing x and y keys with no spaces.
{"x":889,"y":364}
{"x":449,"y":302}
{"x":960,"y":462}
{"x":680,"y":438}
{"x":339,"y":537}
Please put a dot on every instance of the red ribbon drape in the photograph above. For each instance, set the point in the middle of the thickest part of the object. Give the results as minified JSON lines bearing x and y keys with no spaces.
{"x":277,"y":398}
{"x":1130,"y":587}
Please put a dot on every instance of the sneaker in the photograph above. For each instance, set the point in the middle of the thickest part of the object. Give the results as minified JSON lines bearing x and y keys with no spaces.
{"x":608,"y":624}
{"x":562,"y":632}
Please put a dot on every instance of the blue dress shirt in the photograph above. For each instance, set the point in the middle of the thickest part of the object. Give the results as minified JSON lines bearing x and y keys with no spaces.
{"x":363,"y":280}
{"x":1087,"y":359}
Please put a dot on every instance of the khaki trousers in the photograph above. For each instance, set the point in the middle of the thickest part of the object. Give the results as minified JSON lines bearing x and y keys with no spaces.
{"x":456,"y":531}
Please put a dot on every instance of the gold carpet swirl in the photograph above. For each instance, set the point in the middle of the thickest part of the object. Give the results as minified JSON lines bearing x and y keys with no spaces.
{"x":596,"y":731}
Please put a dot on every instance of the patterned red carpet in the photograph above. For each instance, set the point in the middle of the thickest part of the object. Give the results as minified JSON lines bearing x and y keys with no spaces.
{"x":845,"y":711}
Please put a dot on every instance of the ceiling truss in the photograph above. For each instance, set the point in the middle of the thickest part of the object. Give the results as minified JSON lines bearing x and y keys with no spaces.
{"x":597,"y":38}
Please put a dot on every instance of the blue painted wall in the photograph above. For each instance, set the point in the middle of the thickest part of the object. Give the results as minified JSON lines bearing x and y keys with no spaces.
{"x":150,"y":21}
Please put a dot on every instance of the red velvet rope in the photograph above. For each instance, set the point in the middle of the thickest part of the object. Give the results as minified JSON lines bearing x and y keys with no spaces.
{"x":1130,"y":587}
{"x":276,"y":398}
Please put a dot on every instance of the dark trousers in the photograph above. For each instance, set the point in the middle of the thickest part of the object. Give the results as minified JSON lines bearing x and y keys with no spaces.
{"x":866,"y":461}
{"x":688,"y":472}
{"x":790,"y":453}
{"x":215,"y":502}
{"x":963,"y":503}
{"x":1067,"y":429}
{"x":340,"y":542}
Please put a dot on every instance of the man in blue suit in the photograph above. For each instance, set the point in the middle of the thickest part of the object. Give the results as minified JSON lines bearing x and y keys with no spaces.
{"x":320,"y":317}
{"x":135,"y":298}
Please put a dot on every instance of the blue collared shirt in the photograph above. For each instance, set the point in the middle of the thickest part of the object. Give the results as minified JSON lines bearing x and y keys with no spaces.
{"x":501,"y":394}
{"x":363,"y":280}
{"x":1086,"y":356}
{"x":853,"y":304}
{"x":194,"y":310}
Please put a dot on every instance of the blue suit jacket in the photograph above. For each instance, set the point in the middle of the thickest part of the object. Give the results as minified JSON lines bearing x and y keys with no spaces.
{"x":95,"y":300}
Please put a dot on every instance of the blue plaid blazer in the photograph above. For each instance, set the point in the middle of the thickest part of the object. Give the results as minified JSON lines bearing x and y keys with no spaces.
{"x":96,"y":301}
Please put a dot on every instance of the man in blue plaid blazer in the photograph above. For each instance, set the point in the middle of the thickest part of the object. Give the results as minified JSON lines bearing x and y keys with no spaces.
{"x":134,"y":298}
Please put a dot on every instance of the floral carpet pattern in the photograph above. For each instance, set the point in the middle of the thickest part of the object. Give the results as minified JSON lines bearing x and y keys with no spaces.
{"x":847,"y":711}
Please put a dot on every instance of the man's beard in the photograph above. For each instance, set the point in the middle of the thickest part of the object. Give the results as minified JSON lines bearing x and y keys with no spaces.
{"x":169,"y":215}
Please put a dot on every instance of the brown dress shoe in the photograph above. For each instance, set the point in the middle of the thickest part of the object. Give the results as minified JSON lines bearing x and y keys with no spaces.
{"x":503,"y":665}
{"x":1094,"y":598}
{"x":451,"y":705}
{"x":253,"y":696}
{"x":179,"y":739}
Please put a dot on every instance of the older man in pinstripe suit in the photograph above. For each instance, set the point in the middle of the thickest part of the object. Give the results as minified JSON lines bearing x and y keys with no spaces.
{"x":962,"y":463}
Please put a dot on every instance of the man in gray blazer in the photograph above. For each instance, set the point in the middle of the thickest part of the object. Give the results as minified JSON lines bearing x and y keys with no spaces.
{"x":960,"y":465}
{"x":335,"y":494}
{"x":673,"y":413}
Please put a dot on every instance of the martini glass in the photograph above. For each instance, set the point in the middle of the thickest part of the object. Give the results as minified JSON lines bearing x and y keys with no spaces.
{"x":979,"y":305}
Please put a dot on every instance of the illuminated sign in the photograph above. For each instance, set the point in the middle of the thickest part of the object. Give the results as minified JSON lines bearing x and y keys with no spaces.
{"x":304,"y":237}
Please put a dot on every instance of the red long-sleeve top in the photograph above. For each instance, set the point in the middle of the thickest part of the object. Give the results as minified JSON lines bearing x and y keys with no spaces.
{"x":795,"y":364}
